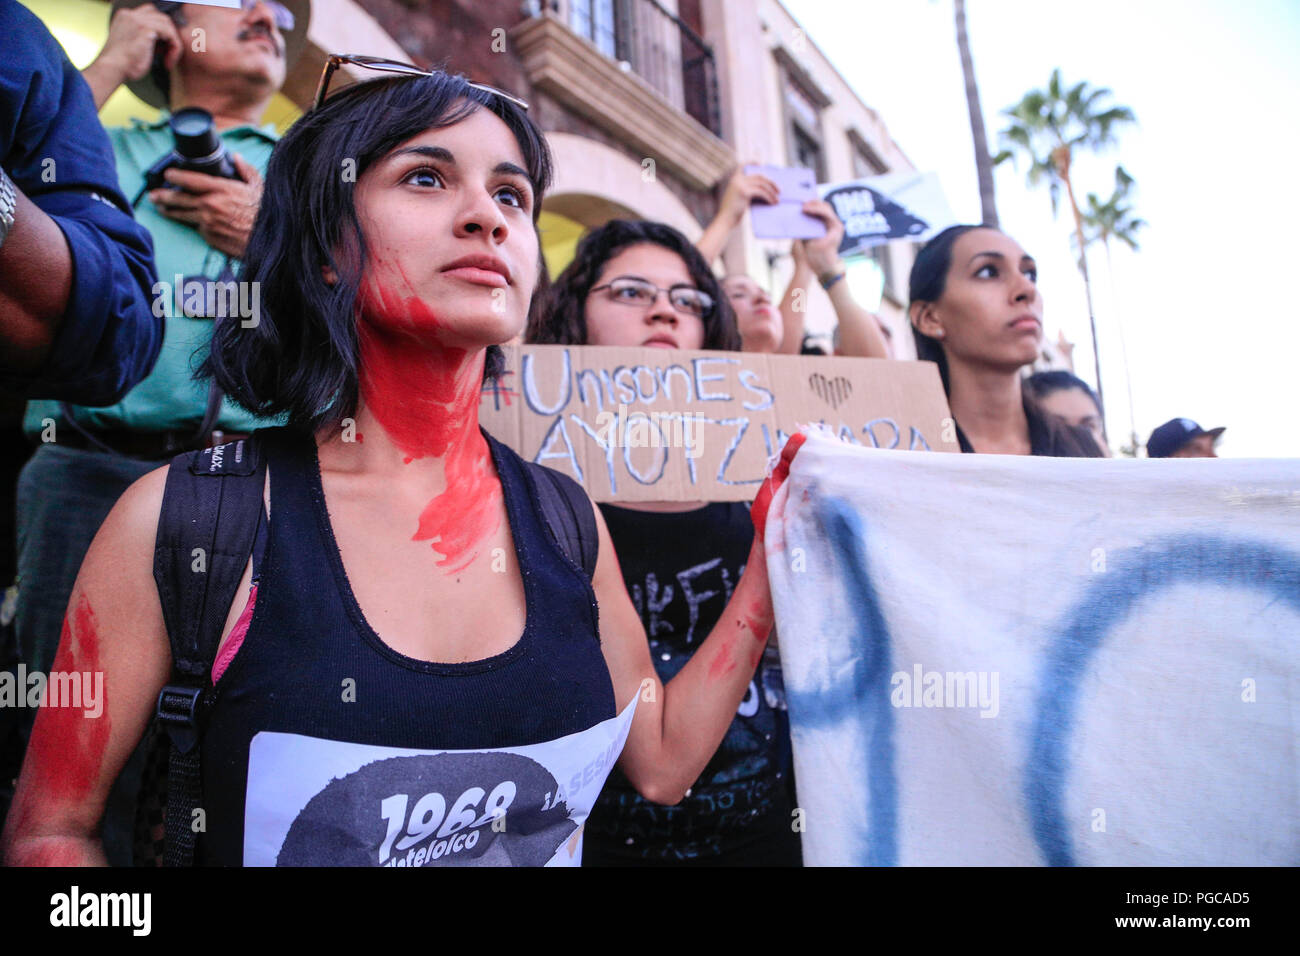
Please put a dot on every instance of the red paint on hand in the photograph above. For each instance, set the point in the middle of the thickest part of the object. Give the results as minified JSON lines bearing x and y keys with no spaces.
{"x":758,"y":511}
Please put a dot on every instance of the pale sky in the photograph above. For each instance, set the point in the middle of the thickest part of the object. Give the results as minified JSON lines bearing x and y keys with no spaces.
{"x":1215,"y":86}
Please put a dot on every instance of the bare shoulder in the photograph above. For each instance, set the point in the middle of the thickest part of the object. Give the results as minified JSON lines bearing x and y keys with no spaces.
{"x":119,"y":565}
{"x":138,"y":508}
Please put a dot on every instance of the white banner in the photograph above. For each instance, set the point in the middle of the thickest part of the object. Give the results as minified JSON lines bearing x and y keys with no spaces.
{"x":1001,"y":660}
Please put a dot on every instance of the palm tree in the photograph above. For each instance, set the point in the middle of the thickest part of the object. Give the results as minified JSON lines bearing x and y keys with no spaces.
{"x":1114,"y":219}
{"x":1048,"y":126}
{"x":983,"y":161}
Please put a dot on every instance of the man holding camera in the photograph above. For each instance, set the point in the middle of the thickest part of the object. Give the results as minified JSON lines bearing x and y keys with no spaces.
{"x":206,"y":61}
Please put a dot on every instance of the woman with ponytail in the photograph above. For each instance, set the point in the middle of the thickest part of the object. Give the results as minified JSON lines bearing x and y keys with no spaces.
{"x":977,"y":313}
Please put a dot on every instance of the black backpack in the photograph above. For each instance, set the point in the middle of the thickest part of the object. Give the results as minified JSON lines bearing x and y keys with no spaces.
{"x":213,"y":501}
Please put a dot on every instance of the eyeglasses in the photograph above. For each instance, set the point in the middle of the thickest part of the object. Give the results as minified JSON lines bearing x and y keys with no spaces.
{"x":382,"y":65}
{"x":282,"y":15}
{"x":640,"y":293}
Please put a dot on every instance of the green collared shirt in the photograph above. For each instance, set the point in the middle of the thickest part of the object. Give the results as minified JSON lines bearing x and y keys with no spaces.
{"x":168,"y":398}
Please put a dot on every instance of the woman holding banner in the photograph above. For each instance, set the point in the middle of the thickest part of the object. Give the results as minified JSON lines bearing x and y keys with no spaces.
{"x":404,"y":552}
{"x":643,"y":284}
{"x":977,"y":313}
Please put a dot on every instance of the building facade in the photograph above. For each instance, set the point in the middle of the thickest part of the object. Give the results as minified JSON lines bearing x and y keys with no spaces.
{"x":648,"y":106}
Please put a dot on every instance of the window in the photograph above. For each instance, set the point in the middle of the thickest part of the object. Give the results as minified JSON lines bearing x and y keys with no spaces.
{"x":594,"y":19}
{"x":865,"y":166}
{"x":805,"y":151}
{"x":803,"y":102}
{"x":804,"y":130}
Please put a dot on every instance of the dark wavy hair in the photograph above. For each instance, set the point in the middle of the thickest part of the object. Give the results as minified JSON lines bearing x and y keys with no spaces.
{"x":564,"y":320}
{"x":301,"y":358}
{"x":1041,"y":384}
{"x":926,"y":283}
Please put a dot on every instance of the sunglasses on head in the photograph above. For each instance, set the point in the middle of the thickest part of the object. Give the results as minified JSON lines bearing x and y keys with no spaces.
{"x":382,"y":65}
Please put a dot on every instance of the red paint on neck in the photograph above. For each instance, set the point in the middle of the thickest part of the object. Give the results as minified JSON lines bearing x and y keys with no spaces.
{"x":426,"y":397}
{"x":67,"y":746}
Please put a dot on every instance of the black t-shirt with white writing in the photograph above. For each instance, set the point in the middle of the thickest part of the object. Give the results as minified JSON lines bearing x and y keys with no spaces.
{"x":680,"y":569}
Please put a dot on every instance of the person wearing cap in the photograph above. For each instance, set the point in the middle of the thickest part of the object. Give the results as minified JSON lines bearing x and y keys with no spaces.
{"x":229,"y":62}
{"x":1183,"y":438}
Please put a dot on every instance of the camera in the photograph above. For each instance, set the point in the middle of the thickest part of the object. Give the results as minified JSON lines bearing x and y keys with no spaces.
{"x":198,"y":148}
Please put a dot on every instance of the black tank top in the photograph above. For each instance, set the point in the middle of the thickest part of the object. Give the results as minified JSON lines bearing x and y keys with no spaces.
{"x":680,"y":569}
{"x":311,"y":665}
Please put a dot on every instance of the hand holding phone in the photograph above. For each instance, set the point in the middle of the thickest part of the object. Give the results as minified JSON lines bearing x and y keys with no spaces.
{"x":141,"y":39}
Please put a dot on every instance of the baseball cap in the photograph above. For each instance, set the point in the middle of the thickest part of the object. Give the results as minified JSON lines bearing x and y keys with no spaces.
{"x":1176,"y":433}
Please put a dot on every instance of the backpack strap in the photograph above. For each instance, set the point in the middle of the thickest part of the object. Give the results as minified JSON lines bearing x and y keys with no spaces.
{"x":211,"y":506}
{"x":569,"y":515}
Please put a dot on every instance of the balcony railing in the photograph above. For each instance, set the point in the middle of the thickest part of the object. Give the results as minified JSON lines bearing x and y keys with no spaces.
{"x":652,"y":41}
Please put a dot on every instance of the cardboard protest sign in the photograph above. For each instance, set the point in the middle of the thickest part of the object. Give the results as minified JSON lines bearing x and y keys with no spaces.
{"x":634,"y":424}
{"x":893,"y":206}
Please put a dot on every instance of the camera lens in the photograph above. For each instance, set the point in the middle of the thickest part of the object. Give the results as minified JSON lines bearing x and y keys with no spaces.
{"x":195,"y":133}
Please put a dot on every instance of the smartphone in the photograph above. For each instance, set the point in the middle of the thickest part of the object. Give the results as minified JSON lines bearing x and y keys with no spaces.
{"x":784,"y":218}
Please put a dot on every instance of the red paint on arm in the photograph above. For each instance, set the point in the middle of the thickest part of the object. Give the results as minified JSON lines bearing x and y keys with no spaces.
{"x":724,"y":663}
{"x":756,"y":616}
{"x":66,"y":751}
{"x":51,"y":854}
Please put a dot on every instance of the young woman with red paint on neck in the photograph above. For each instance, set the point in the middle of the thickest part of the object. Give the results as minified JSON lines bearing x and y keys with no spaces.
{"x":636,"y":283}
{"x":404,"y":551}
{"x":977,"y":313}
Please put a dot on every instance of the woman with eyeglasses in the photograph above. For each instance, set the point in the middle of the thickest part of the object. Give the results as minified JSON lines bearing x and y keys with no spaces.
{"x":636,"y":283}
{"x":411,"y":654}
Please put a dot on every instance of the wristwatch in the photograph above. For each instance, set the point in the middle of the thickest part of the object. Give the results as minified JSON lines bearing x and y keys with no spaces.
{"x":8,"y":205}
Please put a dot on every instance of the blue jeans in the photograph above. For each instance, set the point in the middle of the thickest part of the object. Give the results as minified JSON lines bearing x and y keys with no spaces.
{"x":64,"y":495}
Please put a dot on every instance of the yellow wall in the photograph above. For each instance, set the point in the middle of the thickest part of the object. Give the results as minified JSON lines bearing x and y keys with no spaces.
{"x":560,"y":236}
